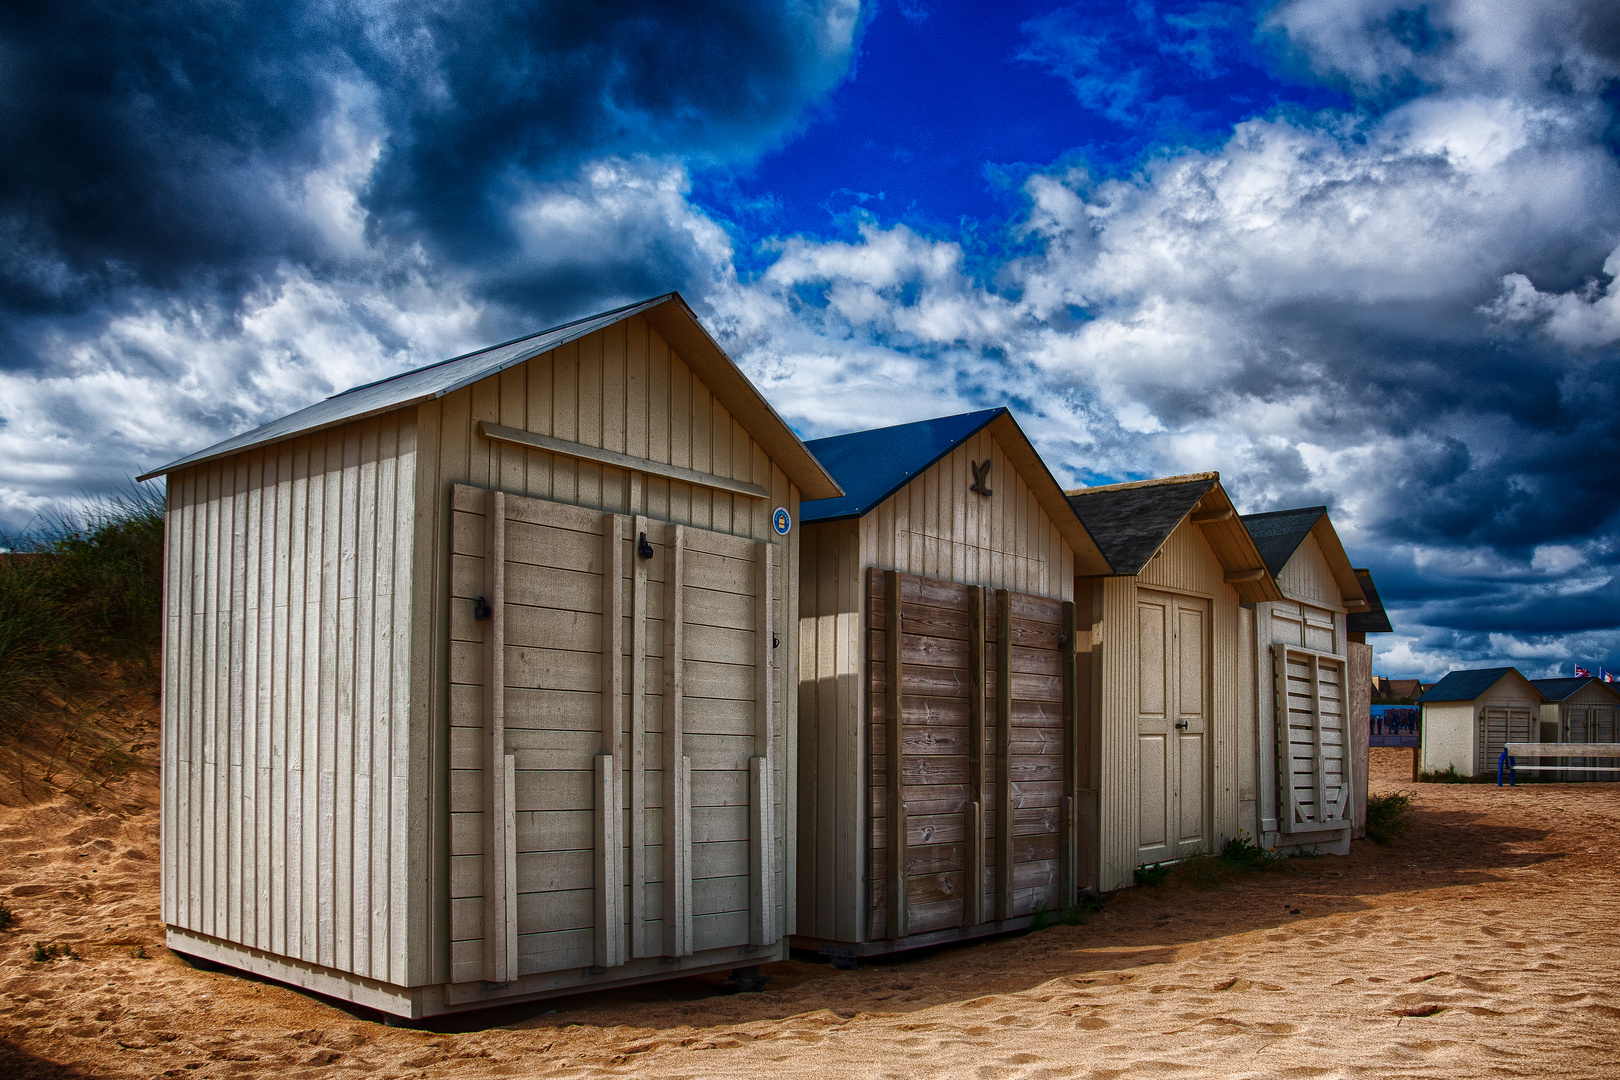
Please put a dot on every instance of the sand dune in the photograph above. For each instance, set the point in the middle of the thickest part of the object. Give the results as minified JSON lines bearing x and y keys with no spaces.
{"x":1486,"y":944}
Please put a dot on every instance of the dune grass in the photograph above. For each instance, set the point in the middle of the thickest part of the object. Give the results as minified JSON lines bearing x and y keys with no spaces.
{"x":80,"y":599}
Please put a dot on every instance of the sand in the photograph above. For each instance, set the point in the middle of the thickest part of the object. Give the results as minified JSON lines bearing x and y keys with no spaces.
{"x":1487,"y":943}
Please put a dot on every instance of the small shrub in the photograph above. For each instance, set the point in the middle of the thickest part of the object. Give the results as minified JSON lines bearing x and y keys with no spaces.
{"x":5,"y":915}
{"x":1450,"y":775}
{"x":1153,"y":875}
{"x":1242,"y":853}
{"x":1312,"y":852}
{"x":43,"y":955}
{"x":138,"y":953}
{"x":1386,"y":816}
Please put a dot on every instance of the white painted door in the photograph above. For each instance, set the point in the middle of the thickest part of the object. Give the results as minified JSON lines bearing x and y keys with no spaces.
{"x":1173,"y":642}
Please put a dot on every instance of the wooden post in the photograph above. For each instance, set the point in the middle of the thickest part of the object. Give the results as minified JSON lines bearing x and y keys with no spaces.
{"x":677,"y":769}
{"x":1004,"y":803}
{"x":761,"y":767}
{"x":609,"y":938}
{"x":973,"y":913}
{"x":1068,"y":887}
{"x":638,"y":737}
{"x":500,"y":831}
{"x":895,"y":748}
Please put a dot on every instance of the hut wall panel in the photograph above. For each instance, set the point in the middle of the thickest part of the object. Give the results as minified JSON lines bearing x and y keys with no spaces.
{"x":1307,"y":577}
{"x":1119,"y":766}
{"x":622,"y":388}
{"x":832,"y":863}
{"x":286,"y":693}
{"x":935,"y":527}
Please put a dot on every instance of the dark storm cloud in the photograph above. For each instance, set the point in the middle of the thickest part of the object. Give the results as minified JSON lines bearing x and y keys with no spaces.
{"x":160,"y":146}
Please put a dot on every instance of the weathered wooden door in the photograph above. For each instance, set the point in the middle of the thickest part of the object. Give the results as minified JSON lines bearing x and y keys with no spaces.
{"x":1314,"y":760}
{"x":615,"y":743}
{"x":1499,"y":725}
{"x":1172,"y":725}
{"x":972,"y":722}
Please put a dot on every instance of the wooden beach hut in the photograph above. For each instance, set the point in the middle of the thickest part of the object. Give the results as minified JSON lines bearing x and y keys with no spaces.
{"x":1312,"y":728}
{"x":476,"y":679}
{"x":941,"y":721}
{"x":1167,"y":639}
{"x":1580,"y":709}
{"x":1468,"y":716}
{"x":1372,"y":619}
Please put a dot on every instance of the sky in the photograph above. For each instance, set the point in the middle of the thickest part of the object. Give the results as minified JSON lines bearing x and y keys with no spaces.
{"x":1359,"y":253}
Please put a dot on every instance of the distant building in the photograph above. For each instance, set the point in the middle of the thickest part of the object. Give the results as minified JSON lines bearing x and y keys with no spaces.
{"x":1582,"y":709}
{"x":1468,"y":716}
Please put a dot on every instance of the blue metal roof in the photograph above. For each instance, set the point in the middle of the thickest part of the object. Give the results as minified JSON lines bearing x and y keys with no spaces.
{"x":1467,"y":685}
{"x":872,"y":465}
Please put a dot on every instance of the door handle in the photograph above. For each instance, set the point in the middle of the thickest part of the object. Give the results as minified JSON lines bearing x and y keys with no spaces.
{"x":1182,"y":724}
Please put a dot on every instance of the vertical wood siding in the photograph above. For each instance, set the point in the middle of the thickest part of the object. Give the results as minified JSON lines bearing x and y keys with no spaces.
{"x":623,"y":389}
{"x":933,"y":527}
{"x":287,"y":735}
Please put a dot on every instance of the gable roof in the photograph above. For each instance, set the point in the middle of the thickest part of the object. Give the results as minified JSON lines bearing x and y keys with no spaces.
{"x":871,"y":466}
{"x":1468,"y":685}
{"x":1375,"y":620}
{"x":1279,"y":533}
{"x":1131,"y":521}
{"x":1566,"y":688}
{"x":668,"y":314}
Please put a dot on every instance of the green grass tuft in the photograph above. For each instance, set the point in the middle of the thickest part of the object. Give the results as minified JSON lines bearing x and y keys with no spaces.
{"x":1153,"y":875}
{"x":5,"y":915}
{"x":78,"y":597}
{"x":1386,"y":816}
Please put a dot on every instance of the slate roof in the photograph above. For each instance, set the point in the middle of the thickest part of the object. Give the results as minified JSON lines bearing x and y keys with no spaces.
{"x":1565,"y":688}
{"x":1374,"y":620}
{"x":872,"y":465}
{"x":1468,"y":685}
{"x":1279,"y":533}
{"x":669,"y":315}
{"x":1132,"y":521}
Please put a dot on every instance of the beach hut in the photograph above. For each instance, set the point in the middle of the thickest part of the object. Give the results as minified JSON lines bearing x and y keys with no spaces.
{"x":1372,"y":619}
{"x":940,"y":716}
{"x":1468,"y":716}
{"x":1581,"y":709}
{"x":1313,"y":720}
{"x":474,"y":679}
{"x":1167,"y":635}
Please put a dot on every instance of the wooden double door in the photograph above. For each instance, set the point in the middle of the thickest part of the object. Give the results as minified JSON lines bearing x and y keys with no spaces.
{"x":616,"y":741}
{"x":1173,"y":725}
{"x":972,"y":717}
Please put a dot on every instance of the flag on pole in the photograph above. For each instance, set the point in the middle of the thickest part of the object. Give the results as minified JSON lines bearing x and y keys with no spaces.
{"x":1582,"y":673}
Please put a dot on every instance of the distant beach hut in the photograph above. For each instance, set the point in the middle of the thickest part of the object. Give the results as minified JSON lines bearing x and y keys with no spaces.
{"x":941,"y":737}
{"x":472,"y":680}
{"x":1169,"y":638}
{"x":1580,"y":710}
{"x":1469,"y":715}
{"x":1315,"y":693}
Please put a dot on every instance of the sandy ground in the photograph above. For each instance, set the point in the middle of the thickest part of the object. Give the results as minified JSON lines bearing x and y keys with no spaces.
{"x":1487,"y":943}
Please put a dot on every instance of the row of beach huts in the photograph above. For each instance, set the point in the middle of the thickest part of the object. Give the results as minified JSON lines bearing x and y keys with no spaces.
{"x":566,"y":664}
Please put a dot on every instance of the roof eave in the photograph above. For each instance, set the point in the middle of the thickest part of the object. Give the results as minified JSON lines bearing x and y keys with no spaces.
{"x":1234,"y":548}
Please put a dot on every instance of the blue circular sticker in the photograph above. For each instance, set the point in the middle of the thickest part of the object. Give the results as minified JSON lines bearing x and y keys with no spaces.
{"x":782,"y":520}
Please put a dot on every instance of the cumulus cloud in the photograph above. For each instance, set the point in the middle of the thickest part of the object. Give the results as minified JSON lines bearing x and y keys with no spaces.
{"x":1403,"y":308}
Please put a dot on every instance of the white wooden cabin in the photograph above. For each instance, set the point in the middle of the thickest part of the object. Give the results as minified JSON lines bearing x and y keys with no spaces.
{"x":1580,"y":709}
{"x":425,"y":745}
{"x":1168,"y":639}
{"x":1359,"y":622}
{"x":1311,"y":735}
{"x":1468,"y":716}
{"x":937,"y":593}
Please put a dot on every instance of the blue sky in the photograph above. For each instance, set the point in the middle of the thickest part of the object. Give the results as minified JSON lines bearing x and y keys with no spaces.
{"x":1358,"y":253}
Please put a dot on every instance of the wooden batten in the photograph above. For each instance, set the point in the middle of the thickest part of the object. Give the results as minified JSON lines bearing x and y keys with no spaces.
{"x":894,"y":703}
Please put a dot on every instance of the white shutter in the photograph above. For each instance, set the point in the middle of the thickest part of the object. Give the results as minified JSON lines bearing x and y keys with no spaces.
{"x":1313,"y":740}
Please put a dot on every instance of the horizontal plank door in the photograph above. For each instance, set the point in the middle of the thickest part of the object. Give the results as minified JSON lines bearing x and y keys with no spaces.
{"x":969,"y":790}
{"x":633,"y":666}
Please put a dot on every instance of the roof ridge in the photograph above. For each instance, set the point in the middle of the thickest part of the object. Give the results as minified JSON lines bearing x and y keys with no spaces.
{"x":1183,"y":478}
